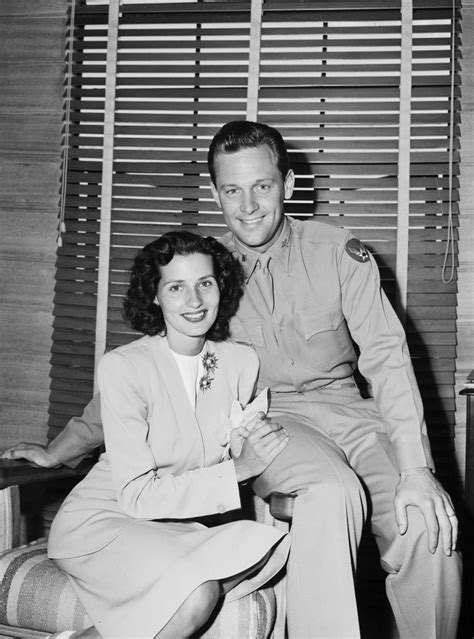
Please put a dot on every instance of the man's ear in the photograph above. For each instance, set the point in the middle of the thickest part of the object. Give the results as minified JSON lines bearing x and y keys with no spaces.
{"x":289,"y":184}
{"x":215,"y":194}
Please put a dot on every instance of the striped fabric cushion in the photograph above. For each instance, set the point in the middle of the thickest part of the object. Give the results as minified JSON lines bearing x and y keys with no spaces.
{"x":252,"y":616}
{"x":36,"y":595}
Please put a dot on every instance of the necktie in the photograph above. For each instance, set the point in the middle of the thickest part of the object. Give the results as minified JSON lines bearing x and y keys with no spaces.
{"x":264,"y":282}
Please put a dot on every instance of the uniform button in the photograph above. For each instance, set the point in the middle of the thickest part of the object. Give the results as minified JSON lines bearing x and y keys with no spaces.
{"x":221,"y":509}
{"x":291,"y":362}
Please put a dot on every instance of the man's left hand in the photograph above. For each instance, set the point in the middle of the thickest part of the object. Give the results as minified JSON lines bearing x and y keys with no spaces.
{"x":419,"y":487}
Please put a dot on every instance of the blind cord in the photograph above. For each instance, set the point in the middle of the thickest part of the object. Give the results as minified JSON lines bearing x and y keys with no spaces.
{"x":450,"y":233}
{"x":62,"y":208}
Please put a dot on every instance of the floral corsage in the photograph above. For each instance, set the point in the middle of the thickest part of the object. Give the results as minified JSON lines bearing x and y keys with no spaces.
{"x":209,"y":363}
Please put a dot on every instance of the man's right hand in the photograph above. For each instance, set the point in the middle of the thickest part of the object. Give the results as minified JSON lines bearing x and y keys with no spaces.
{"x":260,"y":447}
{"x":35,"y":453}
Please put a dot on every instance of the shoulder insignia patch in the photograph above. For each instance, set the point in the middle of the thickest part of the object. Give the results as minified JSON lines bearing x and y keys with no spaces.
{"x":356,"y":250}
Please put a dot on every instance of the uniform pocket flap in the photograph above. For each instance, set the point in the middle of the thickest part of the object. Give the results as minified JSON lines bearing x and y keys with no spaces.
{"x":250,"y":333}
{"x":314,"y":321}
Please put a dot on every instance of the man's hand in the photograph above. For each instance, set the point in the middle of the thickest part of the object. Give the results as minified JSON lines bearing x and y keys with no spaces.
{"x":419,"y":487}
{"x":35,"y":453}
{"x":261,"y":441}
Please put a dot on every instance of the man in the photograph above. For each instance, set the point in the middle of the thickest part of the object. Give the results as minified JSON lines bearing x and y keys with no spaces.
{"x":310,"y":288}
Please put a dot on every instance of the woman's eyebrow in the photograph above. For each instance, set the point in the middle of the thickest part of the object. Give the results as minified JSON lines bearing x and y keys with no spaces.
{"x":204,"y":277}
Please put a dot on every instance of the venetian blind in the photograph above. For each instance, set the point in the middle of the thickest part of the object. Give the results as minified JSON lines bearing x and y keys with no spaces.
{"x":75,"y":301}
{"x":182,"y":72}
{"x":330,"y":81}
{"x":329,"y":78}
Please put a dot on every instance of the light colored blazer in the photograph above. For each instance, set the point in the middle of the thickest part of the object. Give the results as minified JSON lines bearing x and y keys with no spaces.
{"x":162,"y":460}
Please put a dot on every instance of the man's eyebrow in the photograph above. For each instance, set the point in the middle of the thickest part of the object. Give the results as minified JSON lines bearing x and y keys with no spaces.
{"x":227,"y":184}
{"x":270,"y":178}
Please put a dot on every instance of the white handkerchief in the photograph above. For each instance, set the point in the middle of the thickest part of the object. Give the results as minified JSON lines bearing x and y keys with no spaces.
{"x":239,"y":414}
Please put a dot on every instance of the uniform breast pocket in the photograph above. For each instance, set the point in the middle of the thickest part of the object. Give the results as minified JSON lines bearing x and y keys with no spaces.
{"x":250,"y":332}
{"x":326,"y":335}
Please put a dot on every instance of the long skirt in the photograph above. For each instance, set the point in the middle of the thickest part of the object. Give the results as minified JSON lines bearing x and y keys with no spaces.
{"x":134,"y":585}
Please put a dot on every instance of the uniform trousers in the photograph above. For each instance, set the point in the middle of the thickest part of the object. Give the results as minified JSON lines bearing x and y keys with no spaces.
{"x":340,"y":463}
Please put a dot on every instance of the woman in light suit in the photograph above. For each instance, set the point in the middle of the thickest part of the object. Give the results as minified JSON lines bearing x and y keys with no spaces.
{"x":135,"y":536}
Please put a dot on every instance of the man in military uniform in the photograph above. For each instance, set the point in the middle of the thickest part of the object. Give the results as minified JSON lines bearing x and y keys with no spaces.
{"x":311,"y":290}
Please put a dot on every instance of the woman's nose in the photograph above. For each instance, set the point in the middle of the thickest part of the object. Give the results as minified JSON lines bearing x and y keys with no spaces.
{"x":194,"y":298}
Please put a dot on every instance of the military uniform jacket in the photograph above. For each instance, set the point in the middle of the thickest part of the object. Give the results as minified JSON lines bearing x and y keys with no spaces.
{"x":308,"y":298}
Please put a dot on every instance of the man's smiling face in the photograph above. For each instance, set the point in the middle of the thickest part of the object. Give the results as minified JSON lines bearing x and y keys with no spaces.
{"x":251,"y":191}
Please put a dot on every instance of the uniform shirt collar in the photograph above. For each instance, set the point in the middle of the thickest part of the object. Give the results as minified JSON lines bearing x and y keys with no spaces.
{"x":279,"y":250}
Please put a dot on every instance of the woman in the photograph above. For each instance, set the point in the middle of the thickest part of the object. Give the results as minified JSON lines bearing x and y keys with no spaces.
{"x":128,"y":535}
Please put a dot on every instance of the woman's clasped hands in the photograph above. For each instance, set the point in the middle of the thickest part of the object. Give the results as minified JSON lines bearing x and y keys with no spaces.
{"x":255,"y":444}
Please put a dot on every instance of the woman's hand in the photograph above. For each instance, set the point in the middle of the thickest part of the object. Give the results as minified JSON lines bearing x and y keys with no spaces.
{"x":239,"y":434}
{"x":35,"y":453}
{"x":261,"y":441}
{"x":237,"y":438}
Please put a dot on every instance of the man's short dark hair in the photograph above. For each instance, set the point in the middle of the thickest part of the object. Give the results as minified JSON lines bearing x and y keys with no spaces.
{"x":139,"y":307}
{"x":242,"y":134}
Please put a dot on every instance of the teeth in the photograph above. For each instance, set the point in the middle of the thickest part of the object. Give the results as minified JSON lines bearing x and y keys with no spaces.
{"x":194,"y":316}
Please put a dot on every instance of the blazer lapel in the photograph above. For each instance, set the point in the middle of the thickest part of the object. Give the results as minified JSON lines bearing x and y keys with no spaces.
{"x":206,"y":397}
{"x":209,"y":423}
{"x":212,"y":408}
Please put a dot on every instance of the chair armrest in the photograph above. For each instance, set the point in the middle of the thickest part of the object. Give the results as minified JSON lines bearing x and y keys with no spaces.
{"x":18,"y":472}
{"x":15,"y":473}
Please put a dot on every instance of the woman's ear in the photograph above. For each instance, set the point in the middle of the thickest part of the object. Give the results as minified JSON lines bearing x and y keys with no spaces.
{"x":155,"y":301}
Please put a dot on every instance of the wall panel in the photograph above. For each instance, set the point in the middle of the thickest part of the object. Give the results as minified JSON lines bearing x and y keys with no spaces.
{"x":31,"y":76}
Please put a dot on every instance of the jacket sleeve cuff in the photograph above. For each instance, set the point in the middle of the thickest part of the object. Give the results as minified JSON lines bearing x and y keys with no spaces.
{"x":67,"y":448}
{"x":226,"y":487}
{"x":413,"y":452}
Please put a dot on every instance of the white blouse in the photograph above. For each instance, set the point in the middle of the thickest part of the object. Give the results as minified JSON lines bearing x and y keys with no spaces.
{"x":191,"y":369}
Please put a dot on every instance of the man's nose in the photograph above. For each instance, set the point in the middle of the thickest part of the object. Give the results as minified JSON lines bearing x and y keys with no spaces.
{"x":248,"y":204}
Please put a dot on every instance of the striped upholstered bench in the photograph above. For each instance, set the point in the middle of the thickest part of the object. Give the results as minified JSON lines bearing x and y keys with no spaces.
{"x":37,"y":599}
{"x":35,"y":594}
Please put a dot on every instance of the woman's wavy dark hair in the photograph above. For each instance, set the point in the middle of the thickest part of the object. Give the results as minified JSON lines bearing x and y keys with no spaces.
{"x":139,"y":308}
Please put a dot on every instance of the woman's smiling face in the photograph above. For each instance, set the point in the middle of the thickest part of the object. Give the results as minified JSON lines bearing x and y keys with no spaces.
{"x":188,"y":295}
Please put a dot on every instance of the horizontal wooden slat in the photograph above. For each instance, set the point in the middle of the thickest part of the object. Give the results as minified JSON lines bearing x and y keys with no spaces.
{"x":83,"y":386}
{"x":72,"y":359}
{"x":76,"y":287}
{"x":433,"y":351}
{"x":67,"y":410}
{"x":75,"y":396}
{"x":83,"y":323}
{"x":70,"y":347}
